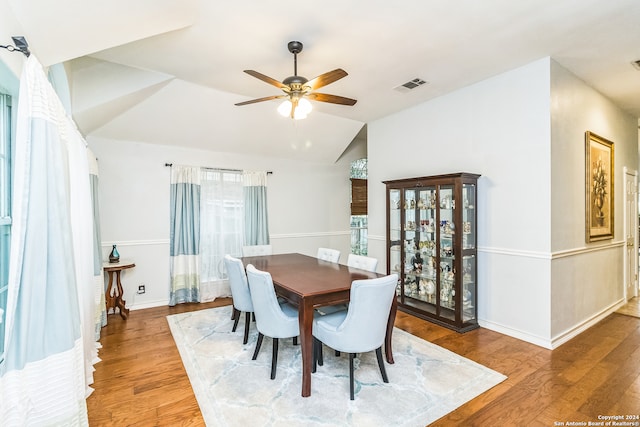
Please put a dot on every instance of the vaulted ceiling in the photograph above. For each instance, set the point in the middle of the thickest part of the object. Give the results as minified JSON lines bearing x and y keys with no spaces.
{"x":170,"y":72}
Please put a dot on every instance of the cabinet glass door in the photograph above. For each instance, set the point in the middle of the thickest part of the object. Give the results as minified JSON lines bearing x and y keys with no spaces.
{"x":447,"y":256}
{"x":469,"y":288}
{"x":395,"y":230}
{"x":468,"y":216}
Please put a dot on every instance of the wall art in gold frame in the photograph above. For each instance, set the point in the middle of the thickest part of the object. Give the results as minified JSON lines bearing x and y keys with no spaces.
{"x":599,"y":187}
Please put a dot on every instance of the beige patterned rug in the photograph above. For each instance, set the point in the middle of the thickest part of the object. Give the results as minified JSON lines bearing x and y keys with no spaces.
{"x":425,"y":383}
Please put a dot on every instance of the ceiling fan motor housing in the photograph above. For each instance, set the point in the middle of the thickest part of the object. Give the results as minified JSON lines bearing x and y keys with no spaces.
{"x":296,"y":83}
{"x":294,"y":47}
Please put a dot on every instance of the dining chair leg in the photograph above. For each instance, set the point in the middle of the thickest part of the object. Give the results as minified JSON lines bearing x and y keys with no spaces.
{"x":314,"y":351}
{"x":235,"y":316}
{"x":317,"y":354}
{"x":320,"y":356}
{"x":247,"y":320}
{"x":383,"y":371}
{"x":274,"y":358}
{"x":351,"y":357}
{"x":258,"y":344}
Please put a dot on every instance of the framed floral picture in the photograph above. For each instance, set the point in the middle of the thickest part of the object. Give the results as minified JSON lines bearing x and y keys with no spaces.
{"x":599,"y":187}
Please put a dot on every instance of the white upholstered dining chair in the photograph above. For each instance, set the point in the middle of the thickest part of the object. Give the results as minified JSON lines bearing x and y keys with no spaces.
{"x":239,"y":293}
{"x":362,"y":328}
{"x":257,"y":250}
{"x":331,"y":255}
{"x":362,"y":262}
{"x":273,"y":319}
{"x":358,"y":261}
{"x":327,"y":254}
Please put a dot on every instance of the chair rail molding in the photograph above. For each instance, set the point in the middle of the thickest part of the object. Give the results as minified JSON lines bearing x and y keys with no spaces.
{"x":307,"y":235}
{"x":136,"y":242}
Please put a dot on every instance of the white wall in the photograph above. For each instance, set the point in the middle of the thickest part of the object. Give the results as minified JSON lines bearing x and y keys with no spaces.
{"x":587,"y":278}
{"x":524,"y":132}
{"x":9,"y":26}
{"x":308,"y":206}
{"x":500,"y":129}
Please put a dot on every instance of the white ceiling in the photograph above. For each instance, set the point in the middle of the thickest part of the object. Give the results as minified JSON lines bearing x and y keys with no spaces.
{"x":170,"y":72}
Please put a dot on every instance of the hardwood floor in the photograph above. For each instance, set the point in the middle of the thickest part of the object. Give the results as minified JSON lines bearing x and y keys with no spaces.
{"x":141,"y":380}
{"x":631,"y":308}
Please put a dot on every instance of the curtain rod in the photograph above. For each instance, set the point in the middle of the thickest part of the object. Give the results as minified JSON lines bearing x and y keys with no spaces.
{"x":219,"y":169}
{"x":21,"y":45}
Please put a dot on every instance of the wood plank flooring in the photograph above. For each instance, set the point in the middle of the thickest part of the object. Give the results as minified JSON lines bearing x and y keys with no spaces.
{"x":631,"y":308}
{"x":141,"y":380}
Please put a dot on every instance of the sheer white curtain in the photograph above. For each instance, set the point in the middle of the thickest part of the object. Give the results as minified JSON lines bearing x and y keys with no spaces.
{"x":100,"y":319}
{"x":221,"y":228}
{"x":81,"y":216}
{"x":49,"y":340}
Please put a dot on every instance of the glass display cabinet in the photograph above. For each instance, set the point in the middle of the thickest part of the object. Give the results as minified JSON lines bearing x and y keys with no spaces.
{"x":431,"y":245}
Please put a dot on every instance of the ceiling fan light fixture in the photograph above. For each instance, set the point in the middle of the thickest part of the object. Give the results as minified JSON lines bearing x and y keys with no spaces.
{"x":302,"y":110}
{"x":285,"y":108}
{"x":304,"y":106}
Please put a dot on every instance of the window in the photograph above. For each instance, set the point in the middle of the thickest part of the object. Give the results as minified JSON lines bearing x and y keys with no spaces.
{"x":359,"y":217}
{"x":5,"y":208}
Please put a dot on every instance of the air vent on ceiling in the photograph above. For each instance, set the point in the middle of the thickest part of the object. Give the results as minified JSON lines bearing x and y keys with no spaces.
{"x":411,"y":84}
{"x":636,"y":64}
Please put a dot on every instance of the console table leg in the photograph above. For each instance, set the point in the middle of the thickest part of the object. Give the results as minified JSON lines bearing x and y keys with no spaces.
{"x":116,"y":300}
{"x":124,"y":312}
{"x":109,"y":300}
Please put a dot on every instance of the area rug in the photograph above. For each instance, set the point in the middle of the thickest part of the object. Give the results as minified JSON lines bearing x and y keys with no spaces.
{"x":425,"y":383}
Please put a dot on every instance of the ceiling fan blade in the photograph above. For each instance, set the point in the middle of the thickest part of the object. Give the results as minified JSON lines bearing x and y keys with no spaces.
{"x":334,"y":99}
{"x":266,"y":98}
{"x":326,"y":78}
{"x":266,"y":79}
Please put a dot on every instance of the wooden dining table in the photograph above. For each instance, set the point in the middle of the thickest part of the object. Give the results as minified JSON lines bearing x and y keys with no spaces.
{"x":309,"y":283}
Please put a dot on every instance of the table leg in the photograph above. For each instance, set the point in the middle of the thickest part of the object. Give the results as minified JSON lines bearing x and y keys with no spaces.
{"x":305,"y":317}
{"x":109,"y":300}
{"x":387,"y":340}
{"x":124,"y":312}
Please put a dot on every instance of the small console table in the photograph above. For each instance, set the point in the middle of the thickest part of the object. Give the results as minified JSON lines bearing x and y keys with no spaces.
{"x":115,"y":300}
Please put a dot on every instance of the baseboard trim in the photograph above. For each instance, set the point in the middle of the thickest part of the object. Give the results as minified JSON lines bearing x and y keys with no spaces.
{"x":149,"y":304}
{"x":559,"y":339}
{"x":158,"y":303}
{"x":562,"y":338}
{"x":515,"y":333}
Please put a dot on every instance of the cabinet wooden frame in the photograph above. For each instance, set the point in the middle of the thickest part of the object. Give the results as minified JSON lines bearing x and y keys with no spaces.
{"x":451,"y":232}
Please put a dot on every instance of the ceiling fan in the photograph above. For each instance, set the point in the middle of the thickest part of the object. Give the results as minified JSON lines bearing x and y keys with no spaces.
{"x":297,"y":88}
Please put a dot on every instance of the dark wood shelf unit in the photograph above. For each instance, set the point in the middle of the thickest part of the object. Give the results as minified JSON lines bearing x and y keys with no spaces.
{"x":432,"y":246}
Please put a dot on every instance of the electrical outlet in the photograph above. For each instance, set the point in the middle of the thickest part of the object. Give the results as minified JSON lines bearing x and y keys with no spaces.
{"x":141,"y":289}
